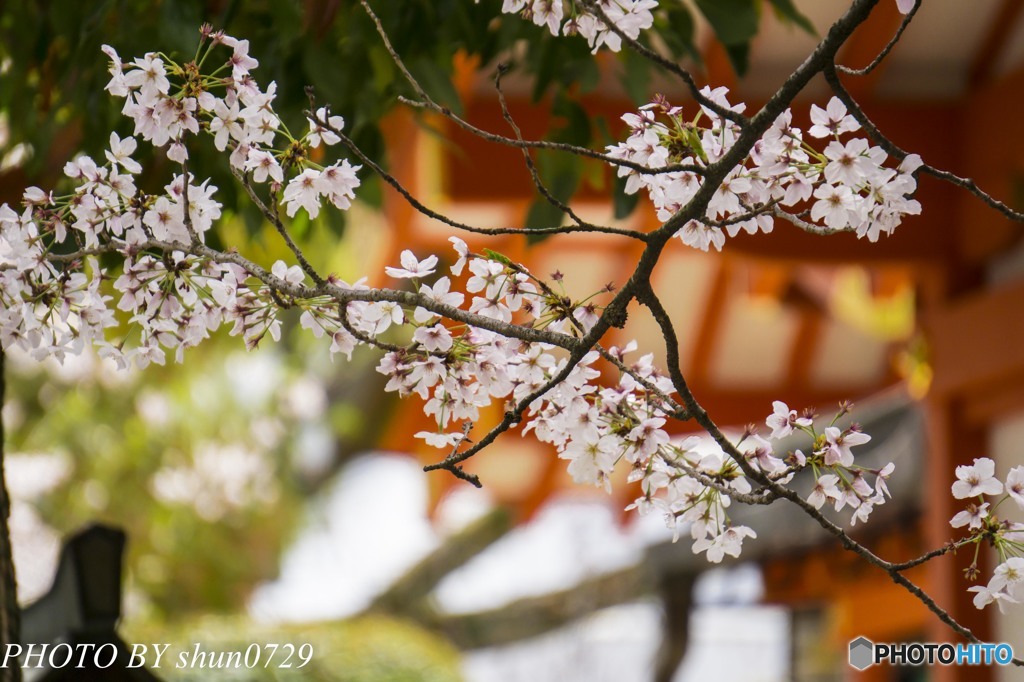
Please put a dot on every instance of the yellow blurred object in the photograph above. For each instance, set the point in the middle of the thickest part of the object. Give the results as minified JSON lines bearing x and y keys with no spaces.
{"x":890,"y":317}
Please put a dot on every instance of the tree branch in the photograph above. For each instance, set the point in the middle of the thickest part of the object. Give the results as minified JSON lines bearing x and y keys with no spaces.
{"x":885,"y":50}
{"x":893,"y":150}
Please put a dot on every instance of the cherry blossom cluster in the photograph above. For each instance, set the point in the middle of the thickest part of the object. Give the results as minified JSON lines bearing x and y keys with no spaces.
{"x":629,"y":16}
{"x":457,"y":341}
{"x":168,"y":101}
{"x":974,"y":483}
{"x":838,"y":479}
{"x":595,"y":428}
{"x":53,"y":301}
{"x":845,"y":186}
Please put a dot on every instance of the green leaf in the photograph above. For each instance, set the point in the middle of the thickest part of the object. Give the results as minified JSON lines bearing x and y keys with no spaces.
{"x":438,"y":84}
{"x":734,"y":21}
{"x":677,"y":30}
{"x":787,"y":11}
{"x":561,"y":174}
{"x":499,"y":257}
{"x":577,"y":128}
{"x":541,"y":214}
{"x":623,"y":204}
{"x":739,"y":57}
{"x":636,"y":77}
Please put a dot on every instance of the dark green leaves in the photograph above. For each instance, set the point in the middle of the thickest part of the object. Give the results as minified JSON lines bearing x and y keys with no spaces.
{"x":787,"y":11}
{"x":735,"y":23}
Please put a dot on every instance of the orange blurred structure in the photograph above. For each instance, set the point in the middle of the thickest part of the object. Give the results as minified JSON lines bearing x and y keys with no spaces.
{"x":794,"y":317}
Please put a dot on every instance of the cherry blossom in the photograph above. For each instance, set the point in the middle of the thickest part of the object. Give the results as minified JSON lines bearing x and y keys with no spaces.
{"x":605,"y":413}
{"x":783,"y":420}
{"x":1006,"y":585}
{"x":412,"y":268}
{"x":1015,"y":485}
{"x":318,"y":132}
{"x":851,"y":187}
{"x":978,"y":479}
{"x":629,"y":16}
{"x":302,"y":192}
{"x":972,"y":517}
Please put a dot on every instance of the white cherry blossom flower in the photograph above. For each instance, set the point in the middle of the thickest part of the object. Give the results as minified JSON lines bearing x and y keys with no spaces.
{"x":1015,"y":485}
{"x":973,"y":516}
{"x":120,"y":153}
{"x":838,"y":446}
{"x":825,"y":489}
{"x":728,"y":542}
{"x":302,"y":192}
{"x":412,"y":267}
{"x":975,"y":480}
{"x":434,"y":339}
{"x":318,"y":132}
{"x":833,"y":120}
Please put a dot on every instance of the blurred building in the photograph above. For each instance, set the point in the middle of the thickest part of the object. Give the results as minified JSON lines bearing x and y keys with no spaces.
{"x":932,"y":312}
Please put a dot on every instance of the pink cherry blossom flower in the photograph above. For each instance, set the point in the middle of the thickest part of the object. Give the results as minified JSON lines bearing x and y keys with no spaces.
{"x":290,"y":275}
{"x":445,"y":441}
{"x":463,"y":251}
{"x":824,"y":489}
{"x":839,"y":443}
{"x":833,"y":120}
{"x":835,"y":204}
{"x":120,"y":153}
{"x":728,"y":542}
{"x":434,"y":339}
{"x":441,"y":292}
{"x":338,"y":183}
{"x":783,"y":419}
{"x":318,"y":132}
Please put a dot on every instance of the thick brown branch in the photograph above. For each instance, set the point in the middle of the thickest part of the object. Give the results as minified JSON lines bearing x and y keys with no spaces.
{"x":406,"y":594}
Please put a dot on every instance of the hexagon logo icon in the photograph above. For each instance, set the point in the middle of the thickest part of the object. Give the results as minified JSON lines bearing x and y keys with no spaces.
{"x":862,"y":653}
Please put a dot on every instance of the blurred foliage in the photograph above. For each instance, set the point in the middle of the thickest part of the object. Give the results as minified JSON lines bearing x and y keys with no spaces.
{"x":193,"y":464}
{"x":52,"y":93}
{"x":206,"y":464}
{"x":369,"y":649}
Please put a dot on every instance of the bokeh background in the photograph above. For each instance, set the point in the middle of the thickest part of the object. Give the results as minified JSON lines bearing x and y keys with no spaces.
{"x":276,"y":495}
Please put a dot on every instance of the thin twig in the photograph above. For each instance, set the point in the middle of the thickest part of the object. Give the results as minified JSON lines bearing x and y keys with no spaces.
{"x":512,"y":417}
{"x":547,"y":144}
{"x":428,"y":103}
{"x":474,"y":229}
{"x":885,"y":50}
{"x":806,"y":226}
{"x":187,"y":219}
{"x":941,"y":551}
{"x":667,"y":64}
{"x":275,"y":219}
{"x":528,"y":160}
